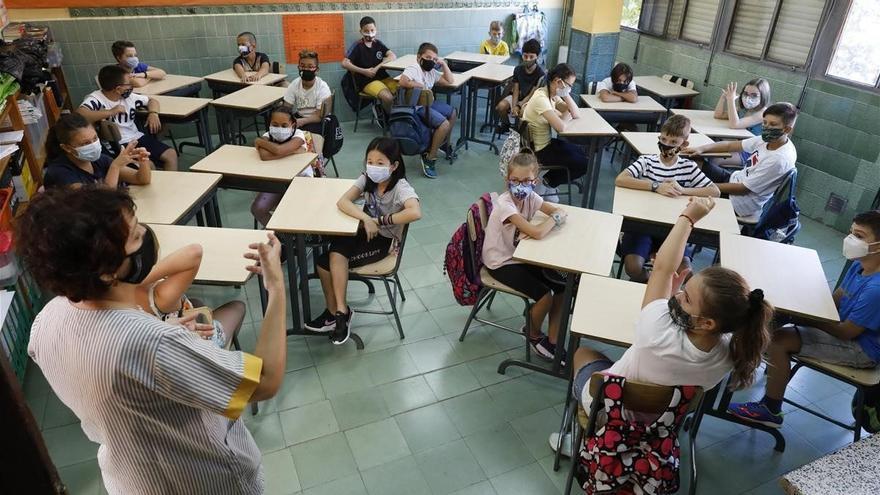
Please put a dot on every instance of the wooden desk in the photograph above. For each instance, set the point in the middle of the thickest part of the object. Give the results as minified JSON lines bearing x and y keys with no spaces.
{"x":480,"y":58}
{"x":589,"y":129}
{"x":173,"y":84}
{"x":185,"y":110}
{"x":643,"y":105}
{"x":566,"y":249}
{"x":400,"y":63}
{"x":607,"y":309}
{"x":486,"y":76}
{"x":223,"y":262}
{"x":228,"y":76}
{"x":244,"y":103}
{"x":663,"y":89}
{"x":645,"y":208}
{"x":242,"y":168}
{"x":790,"y":276}
{"x":493,"y":73}
{"x":851,"y":470}
{"x":704,"y":122}
{"x":174,"y":197}
{"x":645,"y":143}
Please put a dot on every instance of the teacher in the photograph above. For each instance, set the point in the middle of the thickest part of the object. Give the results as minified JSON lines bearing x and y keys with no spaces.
{"x":163,"y":403}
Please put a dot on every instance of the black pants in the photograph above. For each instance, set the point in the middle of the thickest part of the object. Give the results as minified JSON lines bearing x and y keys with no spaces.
{"x":564,"y":154}
{"x":531,"y":280}
{"x":716,"y":174}
{"x":357,"y":249}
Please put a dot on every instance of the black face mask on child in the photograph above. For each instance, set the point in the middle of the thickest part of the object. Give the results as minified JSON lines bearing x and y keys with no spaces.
{"x":620,"y":87}
{"x":143,"y":260}
{"x":666,"y":150}
{"x":679,"y":316}
{"x":427,"y":65}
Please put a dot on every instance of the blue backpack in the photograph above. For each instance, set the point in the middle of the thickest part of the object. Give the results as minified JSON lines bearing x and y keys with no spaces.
{"x":407,"y":126}
{"x":781,"y":221}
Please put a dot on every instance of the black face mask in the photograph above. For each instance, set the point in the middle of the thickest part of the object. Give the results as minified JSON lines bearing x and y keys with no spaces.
{"x":307,"y":75}
{"x":620,"y":87}
{"x":127,"y":93}
{"x":667,"y":150}
{"x":143,"y":260}
{"x":427,"y":65}
{"x":679,"y":316}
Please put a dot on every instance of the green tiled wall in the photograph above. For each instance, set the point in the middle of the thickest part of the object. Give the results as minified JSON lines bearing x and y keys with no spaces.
{"x":837,"y":135}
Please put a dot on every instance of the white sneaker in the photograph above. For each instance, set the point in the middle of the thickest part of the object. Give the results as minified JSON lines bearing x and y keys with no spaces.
{"x":566,"y":443}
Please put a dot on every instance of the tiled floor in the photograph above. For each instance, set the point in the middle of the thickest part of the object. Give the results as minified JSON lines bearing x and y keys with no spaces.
{"x":428,"y":414}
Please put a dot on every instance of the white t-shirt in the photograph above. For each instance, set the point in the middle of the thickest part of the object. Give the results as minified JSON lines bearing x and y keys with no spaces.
{"x":389,"y":203}
{"x":607,"y":85}
{"x":428,"y":79}
{"x":662,"y":354}
{"x":306,"y":101}
{"x":126,"y":121}
{"x":308,"y":171}
{"x":765,"y":171}
{"x":499,"y":237}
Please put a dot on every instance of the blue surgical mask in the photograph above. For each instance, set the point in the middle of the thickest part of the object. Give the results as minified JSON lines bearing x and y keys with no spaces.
{"x":378,"y":173}
{"x":520,"y":191}
{"x":90,"y":152}
{"x":132,"y":62}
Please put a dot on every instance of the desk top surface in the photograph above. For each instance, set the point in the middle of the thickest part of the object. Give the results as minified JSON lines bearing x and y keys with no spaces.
{"x":662,"y":87}
{"x":309,"y":206}
{"x":180,"y":106}
{"x":704,"y":122}
{"x":607,"y":309}
{"x":170,"y":83}
{"x":656,"y":208}
{"x":169,"y":195}
{"x":251,"y":98}
{"x":401,"y":62}
{"x":477,"y":57}
{"x":496,"y":73}
{"x":645,"y":143}
{"x":230,"y":77}
{"x":643,"y":105}
{"x":244,"y":161}
{"x":589,"y":123}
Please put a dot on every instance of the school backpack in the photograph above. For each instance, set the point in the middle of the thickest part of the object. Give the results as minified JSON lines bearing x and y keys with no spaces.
{"x":462,"y":265}
{"x":628,"y":452}
{"x":781,"y":221}
{"x":350,"y":92}
{"x":331,"y":131}
{"x":405,"y":124}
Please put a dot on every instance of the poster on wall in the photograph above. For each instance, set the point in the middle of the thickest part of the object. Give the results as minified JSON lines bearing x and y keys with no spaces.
{"x":323,"y":33}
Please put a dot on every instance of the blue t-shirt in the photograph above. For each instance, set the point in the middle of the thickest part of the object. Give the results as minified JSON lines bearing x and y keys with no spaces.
{"x":860,"y":304}
{"x":140,"y":68}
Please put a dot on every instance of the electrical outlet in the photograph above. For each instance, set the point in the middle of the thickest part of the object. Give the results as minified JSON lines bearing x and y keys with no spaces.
{"x":835,"y":203}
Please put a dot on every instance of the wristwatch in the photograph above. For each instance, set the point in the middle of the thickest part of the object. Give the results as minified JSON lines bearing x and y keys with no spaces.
{"x":654,"y":186}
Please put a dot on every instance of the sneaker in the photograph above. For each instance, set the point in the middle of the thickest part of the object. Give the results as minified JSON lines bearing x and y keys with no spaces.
{"x":341,"y":331}
{"x":566,"y":443}
{"x":325,"y":322}
{"x":543,"y":347}
{"x":428,"y":167}
{"x":755,"y":412}
{"x":449,"y":151}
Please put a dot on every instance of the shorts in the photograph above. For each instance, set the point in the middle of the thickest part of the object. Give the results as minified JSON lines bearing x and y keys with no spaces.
{"x":357,"y":249}
{"x":583,"y":374}
{"x":531,"y":280}
{"x":440,"y":112}
{"x":155,"y":147}
{"x":373,"y":88}
{"x":644,"y":246}
{"x":822,"y":346}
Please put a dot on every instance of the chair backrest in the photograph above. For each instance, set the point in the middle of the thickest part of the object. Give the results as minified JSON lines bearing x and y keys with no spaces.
{"x":51,"y":104}
{"x":472,"y":223}
{"x":276,"y":68}
{"x":783,"y":194}
{"x":400,"y":246}
{"x":525,"y":135}
{"x":590,"y":87}
{"x":681,"y":81}
{"x":643,"y":397}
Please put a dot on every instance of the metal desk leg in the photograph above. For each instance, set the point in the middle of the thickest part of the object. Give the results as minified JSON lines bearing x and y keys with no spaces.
{"x":303,"y":266}
{"x":463,"y":109}
{"x":721,"y":413}
{"x":596,"y":152}
{"x":592,"y":175}
{"x":290,"y":248}
{"x":214,"y":205}
{"x":205,"y":131}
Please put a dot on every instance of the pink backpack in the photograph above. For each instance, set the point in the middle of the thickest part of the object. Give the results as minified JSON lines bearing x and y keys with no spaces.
{"x":462,"y":265}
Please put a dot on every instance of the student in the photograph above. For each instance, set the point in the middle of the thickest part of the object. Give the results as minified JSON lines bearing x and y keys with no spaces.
{"x":853,"y":342}
{"x":743,"y":111}
{"x":512,"y":212}
{"x":526,"y":78}
{"x":495,"y":45}
{"x":549,"y":108}
{"x":126,"y":56}
{"x":75,"y":157}
{"x":363,"y":59}
{"x":390,"y":203}
{"x":308,"y":94}
{"x":283,"y":139}
{"x":669,"y":174}
{"x":163,"y":293}
{"x":250,"y":65}
{"x":772,"y":157}
{"x":116,"y":102}
{"x":423,"y":75}
{"x":691,"y":335}
{"x":619,"y":86}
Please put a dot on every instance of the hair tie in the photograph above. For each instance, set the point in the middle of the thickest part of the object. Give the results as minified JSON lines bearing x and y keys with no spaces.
{"x":756,"y":297}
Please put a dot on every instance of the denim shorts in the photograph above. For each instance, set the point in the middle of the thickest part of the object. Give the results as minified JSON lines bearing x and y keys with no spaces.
{"x":440,"y":112}
{"x":827,"y":348}
{"x":583,"y":374}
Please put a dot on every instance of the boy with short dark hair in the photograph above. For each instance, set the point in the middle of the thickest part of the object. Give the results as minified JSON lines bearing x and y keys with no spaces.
{"x":126,"y":56}
{"x":363,"y":60}
{"x":666,"y":173}
{"x":526,"y":77}
{"x":116,"y":102}
{"x":620,"y":86}
{"x":250,"y":65}
{"x":308,"y":94}
{"x":773,"y":156}
{"x":854,"y":341}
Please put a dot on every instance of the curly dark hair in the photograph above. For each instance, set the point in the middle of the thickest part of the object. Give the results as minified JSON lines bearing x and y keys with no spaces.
{"x":68,"y":238}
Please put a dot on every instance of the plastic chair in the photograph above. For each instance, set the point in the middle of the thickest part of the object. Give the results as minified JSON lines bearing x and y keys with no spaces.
{"x":527,"y":142}
{"x":362,"y":97}
{"x":385,"y":270}
{"x":681,"y":81}
{"x":637,"y":396}
{"x":327,"y":156}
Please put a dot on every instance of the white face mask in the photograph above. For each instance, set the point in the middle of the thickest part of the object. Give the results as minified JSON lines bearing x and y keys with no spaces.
{"x":750,"y":102}
{"x":378,"y":174}
{"x":280,"y":134}
{"x":89,"y":152}
{"x":244,"y":49}
{"x":563,"y":91}
{"x":855,"y":248}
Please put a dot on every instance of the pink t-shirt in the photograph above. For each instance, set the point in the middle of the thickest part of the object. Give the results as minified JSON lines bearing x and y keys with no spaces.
{"x":498,"y":243}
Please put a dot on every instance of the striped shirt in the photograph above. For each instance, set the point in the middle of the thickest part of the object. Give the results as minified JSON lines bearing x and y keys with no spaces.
{"x":684,"y":171}
{"x":162,"y":403}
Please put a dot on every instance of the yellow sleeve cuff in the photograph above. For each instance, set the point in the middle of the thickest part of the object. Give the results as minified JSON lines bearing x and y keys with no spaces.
{"x":249,"y":381}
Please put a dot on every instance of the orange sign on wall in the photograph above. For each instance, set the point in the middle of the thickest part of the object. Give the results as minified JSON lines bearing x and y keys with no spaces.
{"x":323,"y":33}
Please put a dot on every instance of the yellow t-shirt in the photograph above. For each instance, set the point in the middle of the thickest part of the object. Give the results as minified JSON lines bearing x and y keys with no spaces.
{"x":501,"y":48}
{"x":539,"y":128}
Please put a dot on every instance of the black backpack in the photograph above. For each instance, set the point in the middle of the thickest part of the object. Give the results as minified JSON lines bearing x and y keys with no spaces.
{"x":406,"y":126}
{"x":350,"y":92}
{"x":781,"y":222}
{"x":331,"y":131}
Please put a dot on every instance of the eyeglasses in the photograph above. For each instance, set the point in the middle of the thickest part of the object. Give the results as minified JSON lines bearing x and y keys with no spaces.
{"x":524,"y":182}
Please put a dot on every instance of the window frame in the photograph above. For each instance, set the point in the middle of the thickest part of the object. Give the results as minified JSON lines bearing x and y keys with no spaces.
{"x":719,"y":16}
{"x":827,"y":44}
{"x":664,"y":35}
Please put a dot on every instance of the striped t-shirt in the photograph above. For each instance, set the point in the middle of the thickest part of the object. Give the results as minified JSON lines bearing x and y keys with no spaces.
{"x":684,"y":171}
{"x":162,"y":403}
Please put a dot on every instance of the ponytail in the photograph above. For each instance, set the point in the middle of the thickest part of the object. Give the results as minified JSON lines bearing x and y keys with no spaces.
{"x":744,"y":314}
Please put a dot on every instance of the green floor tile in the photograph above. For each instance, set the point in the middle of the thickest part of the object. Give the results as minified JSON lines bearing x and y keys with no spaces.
{"x":389,"y":365}
{"x":481,"y":488}
{"x":280,"y":473}
{"x":420,"y":325}
{"x":377,"y":443}
{"x":433,"y":354}
{"x":323,"y":460}
{"x":499,"y":450}
{"x":359,"y":408}
{"x":408,"y":394}
{"x":534,"y":430}
{"x":526,"y":480}
{"x":57,"y":414}
{"x":83,"y":478}
{"x":427,"y":428}
{"x":68,"y":445}
{"x":267,"y":432}
{"x":308,"y":422}
{"x":299,"y":388}
{"x":478,"y":343}
{"x":473,"y":412}
{"x":398,"y":477}
{"x":453,"y":381}
{"x":350,"y":485}
{"x":449,"y":468}
{"x":486,"y":369}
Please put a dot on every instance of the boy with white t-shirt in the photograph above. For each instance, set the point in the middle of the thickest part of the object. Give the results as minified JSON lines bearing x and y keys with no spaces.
{"x":116,"y":102}
{"x":773,"y":156}
{"x":619,"y":87}
{"x":308,"y":94}
{"x":424,"y":75}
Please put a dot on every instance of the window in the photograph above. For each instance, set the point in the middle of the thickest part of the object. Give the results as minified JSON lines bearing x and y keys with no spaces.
{"x":631,"y":11}
{"x":780,"y":31}
{"x":647,"y":16}
{"x":699,"y":19}
{"x":692,"y":20}
{"x":856,"y":56}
